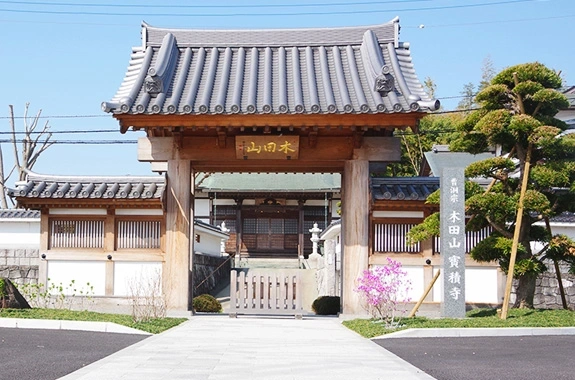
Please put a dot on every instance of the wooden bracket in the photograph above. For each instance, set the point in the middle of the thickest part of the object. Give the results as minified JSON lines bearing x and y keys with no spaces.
{"x":222,"y":137}
{"x":357,"y":140}
{"x":178,"y":138}
{"x":312,"y":138}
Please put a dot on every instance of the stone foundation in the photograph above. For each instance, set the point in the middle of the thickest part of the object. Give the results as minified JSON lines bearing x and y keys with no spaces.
{"x":547,"y":295}
{"x":20,"y":265}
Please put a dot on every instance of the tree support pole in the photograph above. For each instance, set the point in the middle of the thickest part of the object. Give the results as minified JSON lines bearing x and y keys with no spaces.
{"x":516,"y":233}
{"x":427,"y":290}
{"x":557,"y":271}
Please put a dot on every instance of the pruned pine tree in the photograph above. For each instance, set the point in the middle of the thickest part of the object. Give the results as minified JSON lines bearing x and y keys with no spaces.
{"x":517,"y":113}
{"x":27,"y":146}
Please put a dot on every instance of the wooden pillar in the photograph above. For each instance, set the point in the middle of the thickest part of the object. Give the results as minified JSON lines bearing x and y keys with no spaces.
{"x":355,"y":228}
{"x":239,"y":230}
{"x":176,"y":277}
{"x":109,"y":246}
{"x":300,"y":231}
{"x":44,"y":245}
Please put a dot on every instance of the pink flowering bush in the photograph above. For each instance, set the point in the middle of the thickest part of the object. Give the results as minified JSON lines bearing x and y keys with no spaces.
{"x":383,"y":288}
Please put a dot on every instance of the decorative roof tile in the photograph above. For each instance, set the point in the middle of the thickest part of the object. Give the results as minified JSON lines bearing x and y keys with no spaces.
{"x":85,"y":187}
{"x":325,"y":70}
{"x":405,"y":188}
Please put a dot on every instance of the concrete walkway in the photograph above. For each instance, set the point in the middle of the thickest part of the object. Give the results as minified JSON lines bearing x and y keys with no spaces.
{"x":218,"y":347}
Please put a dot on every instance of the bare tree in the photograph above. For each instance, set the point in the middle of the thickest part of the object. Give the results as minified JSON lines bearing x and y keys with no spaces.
{"x":26,"y":149}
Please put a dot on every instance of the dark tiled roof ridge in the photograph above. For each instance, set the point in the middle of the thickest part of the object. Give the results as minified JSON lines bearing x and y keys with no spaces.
{"x":405,"y":180}
{"x":340,"y":35}
{"x":19,"y":213}
{"x":32,"y":176}
{"x":83,"y":187}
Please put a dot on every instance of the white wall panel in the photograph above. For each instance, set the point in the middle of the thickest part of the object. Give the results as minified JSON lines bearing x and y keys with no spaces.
{"x":81,"y":272}
{"x":142,"y":274}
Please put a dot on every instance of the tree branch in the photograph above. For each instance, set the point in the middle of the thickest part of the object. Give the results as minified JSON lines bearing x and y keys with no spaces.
{"x":499,"y":228}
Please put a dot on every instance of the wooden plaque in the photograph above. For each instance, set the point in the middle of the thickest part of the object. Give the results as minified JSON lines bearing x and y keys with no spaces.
{"x":267,"y":147}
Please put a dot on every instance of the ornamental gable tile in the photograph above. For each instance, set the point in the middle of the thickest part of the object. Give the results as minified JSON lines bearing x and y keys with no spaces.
{"x":298,"y":71}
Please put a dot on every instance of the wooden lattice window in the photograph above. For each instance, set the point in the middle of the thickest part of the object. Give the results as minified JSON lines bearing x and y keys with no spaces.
{"x":391,"y":237}
{"x":139,"y":234}
{"x":76,"y":233}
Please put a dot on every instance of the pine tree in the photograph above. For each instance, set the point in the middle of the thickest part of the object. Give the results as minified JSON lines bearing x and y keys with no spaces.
{"x":517,"y":113}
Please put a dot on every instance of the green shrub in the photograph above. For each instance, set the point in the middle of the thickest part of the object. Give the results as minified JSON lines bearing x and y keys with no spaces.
{"x":326,"y":305}
{"x":2,"y":288}
{"x":207,"y":304}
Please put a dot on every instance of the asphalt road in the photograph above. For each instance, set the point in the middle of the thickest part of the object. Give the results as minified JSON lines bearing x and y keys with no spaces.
{"x":489,"y":358}
{"x":30,"y":354}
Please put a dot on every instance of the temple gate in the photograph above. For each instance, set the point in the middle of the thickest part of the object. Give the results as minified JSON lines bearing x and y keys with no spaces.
{"x":249,"y":101}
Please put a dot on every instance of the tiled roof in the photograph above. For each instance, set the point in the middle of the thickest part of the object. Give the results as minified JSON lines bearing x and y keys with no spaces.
{"x":569,"y":91}
{"x":276,"y":182}
{"x":405,"y":188}
{"x":19,"y":213}
{"x":79,"y":187}
{"x":565,"y":217}
{"x":327,"y":70}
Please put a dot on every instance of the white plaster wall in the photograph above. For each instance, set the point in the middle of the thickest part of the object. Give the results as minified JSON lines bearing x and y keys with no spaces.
{"x":14,"y":234}
{"x":202,"y":208}
{"x":128,"y":211}
{"x":556,"y":228}
{"x":480,"y":286}
{"x":142,"y":275}
{"x":78,"y":211}
{"x":82,"y":272}
{"x":210,"y":244}
{"x":417,"y":286}
{"x":398,"y":214}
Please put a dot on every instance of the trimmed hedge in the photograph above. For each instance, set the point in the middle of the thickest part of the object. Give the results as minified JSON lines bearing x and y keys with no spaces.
{"x":207,"y":304}
{"x":326,"y":305}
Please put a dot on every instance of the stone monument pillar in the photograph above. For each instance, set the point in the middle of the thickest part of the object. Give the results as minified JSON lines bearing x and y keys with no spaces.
{"x":452,"y":224}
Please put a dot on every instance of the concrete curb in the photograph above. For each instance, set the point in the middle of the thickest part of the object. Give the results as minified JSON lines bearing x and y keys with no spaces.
{"x":50,"y":324}
{"x":478,"y":332}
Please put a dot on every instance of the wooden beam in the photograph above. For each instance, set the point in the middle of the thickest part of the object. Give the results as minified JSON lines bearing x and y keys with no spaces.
{"x":209,"y":149}
{"x":393,"y":120}
{"x":379,"y":149}
{"x":152,"y":149}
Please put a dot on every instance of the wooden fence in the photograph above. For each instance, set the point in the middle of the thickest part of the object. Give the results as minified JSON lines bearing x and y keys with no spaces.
{"x":264,"y":292}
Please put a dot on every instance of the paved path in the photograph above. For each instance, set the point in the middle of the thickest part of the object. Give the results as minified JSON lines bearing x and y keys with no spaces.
{"x":218,"y":347}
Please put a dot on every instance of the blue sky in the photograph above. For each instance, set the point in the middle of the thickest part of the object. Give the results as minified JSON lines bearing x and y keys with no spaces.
{"x":67,"y":57}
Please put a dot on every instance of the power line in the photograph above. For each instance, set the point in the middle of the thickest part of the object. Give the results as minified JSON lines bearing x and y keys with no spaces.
{"x":236,"y":14}
{"x":64,"y":132}
{"x":56,"y":117}
{"x":81,"y":142}
{"x":426,"y":26}
{"x":216,"y":6}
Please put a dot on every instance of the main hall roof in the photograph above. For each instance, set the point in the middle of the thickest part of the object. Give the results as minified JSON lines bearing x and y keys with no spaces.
{"x":357,"y":70}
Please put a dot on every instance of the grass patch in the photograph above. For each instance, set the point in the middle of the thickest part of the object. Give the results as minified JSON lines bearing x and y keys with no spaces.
{"x":154,"y":326}
{"x":370,"y":328}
